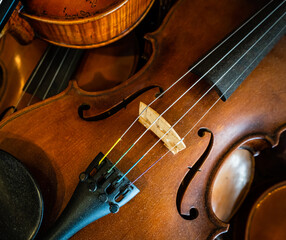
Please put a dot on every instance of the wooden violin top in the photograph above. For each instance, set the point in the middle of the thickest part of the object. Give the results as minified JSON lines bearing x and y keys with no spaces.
{"x":53,"y":141}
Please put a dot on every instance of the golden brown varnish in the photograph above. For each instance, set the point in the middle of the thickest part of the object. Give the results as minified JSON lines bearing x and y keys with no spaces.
{"x":17,"y":63}
{"x":61,"y":145}
{"x":70,"y":9}
{"x":84,"y":24}
{"x":263,"y":208}
{"x":18,"y":27}
{"x":106,"y":67}
{"x":100,"y":68}
{"x":267,"y":219}
{"x":231,"y":183}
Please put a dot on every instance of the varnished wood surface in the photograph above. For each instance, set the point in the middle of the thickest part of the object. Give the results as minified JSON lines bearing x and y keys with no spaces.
{"x":18,"y":27}
{"x":85,"y":25}
{"x":267,"y":220}
{"x":231,"y":183}
{"x":269,"y":176}
{"x":106,"y":67}
{"x":17,"y":63}
{"x":57,"y":145}
{"x":70,"y":9}
{"x":99,"y":69}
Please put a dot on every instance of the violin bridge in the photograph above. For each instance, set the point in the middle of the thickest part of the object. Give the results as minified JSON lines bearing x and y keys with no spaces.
{"x":161,"y":126}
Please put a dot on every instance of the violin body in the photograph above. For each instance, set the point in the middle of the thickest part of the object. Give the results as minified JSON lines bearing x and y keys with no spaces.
{"x":15,"y":69}
{"x":12,"y":23}
{"x":57,"y":145}
{"x":100,"y":68}
{"x":86,"y":24}
{"x":76,"y":24}
{"x":263,"y":207}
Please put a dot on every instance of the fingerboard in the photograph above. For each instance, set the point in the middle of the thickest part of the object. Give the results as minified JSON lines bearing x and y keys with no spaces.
{"x":231,"y":62}
{"x":53,"y":72}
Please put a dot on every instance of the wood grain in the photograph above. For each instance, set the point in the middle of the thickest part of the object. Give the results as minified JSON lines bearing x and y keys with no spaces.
{"x":111,"y":23}
{"x":57,"y":145}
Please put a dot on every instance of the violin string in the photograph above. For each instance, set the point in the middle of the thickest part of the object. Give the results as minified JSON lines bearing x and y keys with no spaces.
{"x":208,"y":109}
{"x":74,"y":56}
{"x":202,"y":97}
{"x":42,"y":78}
{"x":178,"y":80}
{"x":57,"y":72}
{"x":32,"y":77}
{"x":137,"y":140}
{"x":7,"y":11}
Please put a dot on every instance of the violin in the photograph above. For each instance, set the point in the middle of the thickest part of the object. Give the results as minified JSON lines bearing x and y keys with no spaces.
{"x":15,"y":69}
{"x":6,"y":10}
{"x":26,"y":82}
{"x":11,"y":22}
{"x":74,"y":24}
{"x":50,"y":67}
{"x":263,"y":215}
{"x":142,"y":180}
{"x":263,"y":207}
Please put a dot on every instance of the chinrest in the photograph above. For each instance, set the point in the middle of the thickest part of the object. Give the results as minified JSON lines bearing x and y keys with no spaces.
{"x":21,"y":203}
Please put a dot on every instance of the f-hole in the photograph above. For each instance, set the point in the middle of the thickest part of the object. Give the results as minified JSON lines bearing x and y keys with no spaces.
{"x":193,"y":213}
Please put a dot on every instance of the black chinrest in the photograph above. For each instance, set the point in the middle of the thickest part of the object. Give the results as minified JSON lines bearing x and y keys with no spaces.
{"x":21,"y":203}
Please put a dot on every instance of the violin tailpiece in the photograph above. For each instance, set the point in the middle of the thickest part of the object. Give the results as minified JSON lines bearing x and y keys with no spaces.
{"x":96,"y":195}
{"x":171,"y":140}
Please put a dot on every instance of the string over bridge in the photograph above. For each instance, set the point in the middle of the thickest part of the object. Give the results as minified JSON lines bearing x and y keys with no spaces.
{"x":172,"y":140}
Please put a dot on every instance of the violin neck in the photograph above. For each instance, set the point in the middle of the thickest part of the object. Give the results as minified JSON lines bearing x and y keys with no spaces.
{"x":237,"y":55}
{"x":6,"y":9}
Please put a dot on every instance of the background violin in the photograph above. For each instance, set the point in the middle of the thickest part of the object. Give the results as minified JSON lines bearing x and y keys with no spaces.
{"x":98,"y":69}
{"x":85,"y":24}
{"x":11,"y":22}
{"x":28,"y":71}
{"x":176,"y":194}
{"x":7,"y":7}
{"x":261,"y":216}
